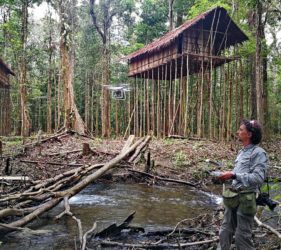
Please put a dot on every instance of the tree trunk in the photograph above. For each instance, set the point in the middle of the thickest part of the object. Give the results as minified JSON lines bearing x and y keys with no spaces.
{"x":25,"y":118}
{"x":87,"y":101}
{"x":59,"y":98}
{"x":258,"y":72}
{"x":105,"y":101}
{"x":171,"y":14}
{"x":49,"y":94}
{"x":72,"y":118}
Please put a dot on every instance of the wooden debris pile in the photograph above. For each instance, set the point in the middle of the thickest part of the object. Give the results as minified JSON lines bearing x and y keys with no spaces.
{"x":21,"y":206}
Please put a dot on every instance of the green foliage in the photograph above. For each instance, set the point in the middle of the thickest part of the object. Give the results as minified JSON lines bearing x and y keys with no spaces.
{"x":204,"y":5}
{"x":179,"y":158}
{"x":131,"y":48}
{"x":153,"y":24}
{"x":168,"y":141}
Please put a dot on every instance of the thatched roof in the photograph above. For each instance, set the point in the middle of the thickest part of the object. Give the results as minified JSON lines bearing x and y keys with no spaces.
{"x":223,"y":24}
{"x":6,"y":68}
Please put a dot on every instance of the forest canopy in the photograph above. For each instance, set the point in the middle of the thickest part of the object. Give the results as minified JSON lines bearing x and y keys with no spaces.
{"x":68,"y":62}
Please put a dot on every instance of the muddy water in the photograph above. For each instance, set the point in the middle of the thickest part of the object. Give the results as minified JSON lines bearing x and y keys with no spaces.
{"x":156,"y":207}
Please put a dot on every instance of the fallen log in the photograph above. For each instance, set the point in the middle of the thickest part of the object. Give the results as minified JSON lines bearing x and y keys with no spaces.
{"x":169,"y":232}
{"x":64,"y":153}
{"x":128,"y":143}
{"x":56,"y":136}
{"x":14,"y":178}
{"x":114,"y":230}
{"x":16,"y":212}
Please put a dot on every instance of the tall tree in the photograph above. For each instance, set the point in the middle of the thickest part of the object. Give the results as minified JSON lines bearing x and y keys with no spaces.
{"x":25,"y":117}
{"x":72,"y":118}
{"x":103,"y":30}
{"x":102,"y":16}
{"x":171,"y":14}
{"x":258,"y":62}
{"x":50,"y":72}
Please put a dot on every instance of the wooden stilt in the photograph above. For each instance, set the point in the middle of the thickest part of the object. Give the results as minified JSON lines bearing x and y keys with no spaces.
{"x":158,"y":103}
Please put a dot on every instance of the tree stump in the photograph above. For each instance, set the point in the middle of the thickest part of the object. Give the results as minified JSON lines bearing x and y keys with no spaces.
{"x":86,"y":149}
{"x":148,"y":163}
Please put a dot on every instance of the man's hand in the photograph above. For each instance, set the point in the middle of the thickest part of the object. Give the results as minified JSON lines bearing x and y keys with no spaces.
{"x":226,"y":175}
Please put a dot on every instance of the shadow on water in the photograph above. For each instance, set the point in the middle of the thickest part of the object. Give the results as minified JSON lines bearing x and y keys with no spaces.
{"x":156,"y":208}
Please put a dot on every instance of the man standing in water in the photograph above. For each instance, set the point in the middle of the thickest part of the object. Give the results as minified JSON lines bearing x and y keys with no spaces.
{"x":240,"y":199}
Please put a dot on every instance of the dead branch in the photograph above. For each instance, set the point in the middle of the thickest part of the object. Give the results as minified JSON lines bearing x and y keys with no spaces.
{"x":182,"y":221}
{"x":53,"y":163}
{"x":163,"y":245}
{"x":268,"y":227}
{"x":12,"y":228}
{"x":69,"y":213}
{"x":56,"y":136}
{"x":163,"y":179}
{"x":139,"y":149}
{"x":64,"y":153}
{"x":177,"y":137}
{"x":82,"y":238}
{"x":84,"y":241}
{"x":67,"y":209}
{"x":182,"y":231}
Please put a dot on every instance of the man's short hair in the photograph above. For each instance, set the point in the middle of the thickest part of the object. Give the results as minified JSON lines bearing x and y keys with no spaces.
{"x":255,"y":128}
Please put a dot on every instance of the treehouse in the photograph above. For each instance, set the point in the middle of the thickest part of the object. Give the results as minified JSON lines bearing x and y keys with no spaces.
{"x":200,"y":42}
{"x":5,"y":101}
{"x":185,"y":82}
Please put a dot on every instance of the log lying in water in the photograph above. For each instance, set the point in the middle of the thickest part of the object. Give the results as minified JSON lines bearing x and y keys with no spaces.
{"x":113,"y":229}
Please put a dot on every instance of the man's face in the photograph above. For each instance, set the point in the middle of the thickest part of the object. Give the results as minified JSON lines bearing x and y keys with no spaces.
{"x":243,"y":134}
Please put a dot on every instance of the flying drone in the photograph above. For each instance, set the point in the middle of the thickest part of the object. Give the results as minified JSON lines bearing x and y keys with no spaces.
{"x":119,"y":92}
